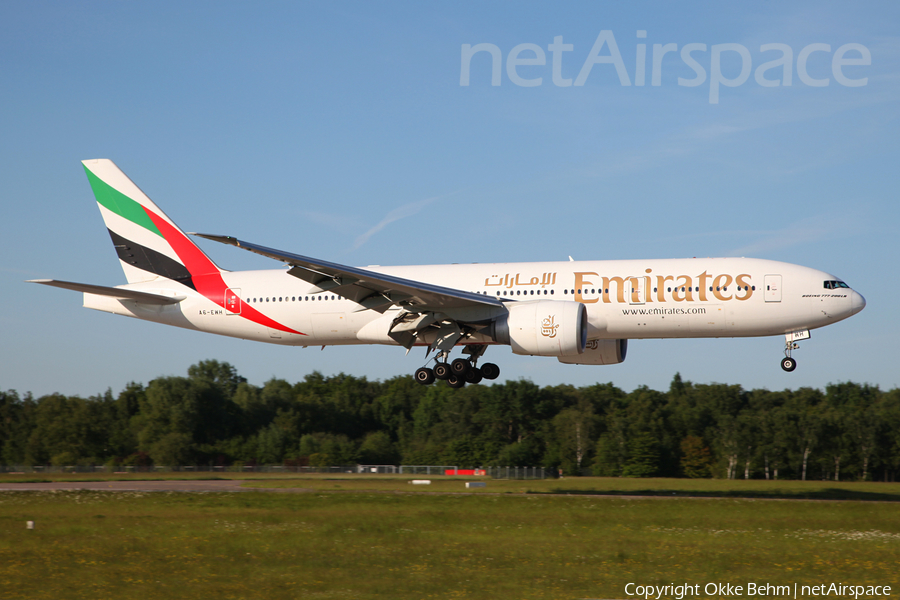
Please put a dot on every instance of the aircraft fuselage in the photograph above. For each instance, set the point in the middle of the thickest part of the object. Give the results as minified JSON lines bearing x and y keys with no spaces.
{"x":634,"y":299}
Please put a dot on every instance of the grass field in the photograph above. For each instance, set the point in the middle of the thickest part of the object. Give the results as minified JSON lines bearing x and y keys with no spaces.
{"x":362,"y":542}
{"x":615,"y":486}
{"x":711,"y":488}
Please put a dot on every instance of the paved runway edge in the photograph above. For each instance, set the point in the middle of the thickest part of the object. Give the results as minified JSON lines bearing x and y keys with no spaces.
{"x":228,"y":485}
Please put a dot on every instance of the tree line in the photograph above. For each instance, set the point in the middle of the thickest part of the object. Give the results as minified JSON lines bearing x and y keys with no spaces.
{"x":213,"y":416}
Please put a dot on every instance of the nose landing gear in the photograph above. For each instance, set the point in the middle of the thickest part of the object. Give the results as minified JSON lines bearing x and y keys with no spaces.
{"x":790,"y":343}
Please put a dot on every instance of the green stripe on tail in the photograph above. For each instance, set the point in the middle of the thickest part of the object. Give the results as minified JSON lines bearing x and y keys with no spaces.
{"x":120,"y":204}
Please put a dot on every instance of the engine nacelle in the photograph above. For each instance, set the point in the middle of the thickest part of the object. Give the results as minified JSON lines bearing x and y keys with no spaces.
{"x":543,"y":328}
{"x":599,"y":352}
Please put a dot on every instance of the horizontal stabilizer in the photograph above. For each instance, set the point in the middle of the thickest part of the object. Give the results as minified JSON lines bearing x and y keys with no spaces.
{"x":123,"y":294}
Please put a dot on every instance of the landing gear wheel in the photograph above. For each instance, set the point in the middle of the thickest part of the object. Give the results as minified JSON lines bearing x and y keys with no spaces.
{"x":442,"y":371}
{"x":490,"y":371}
{"x":473,"y":375}
{"x":788,"y":364}
{"x":460,"y":367}
{"x":425,"y":376}
{"x":456,"y":382}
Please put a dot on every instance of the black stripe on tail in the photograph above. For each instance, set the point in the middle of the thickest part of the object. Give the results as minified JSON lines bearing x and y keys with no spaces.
{"x":150,"y":260}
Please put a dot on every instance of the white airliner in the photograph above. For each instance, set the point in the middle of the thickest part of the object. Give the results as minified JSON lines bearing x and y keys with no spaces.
{"x":581,"y":312}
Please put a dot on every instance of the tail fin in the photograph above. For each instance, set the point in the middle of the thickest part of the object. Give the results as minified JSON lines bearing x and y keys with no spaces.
{"x":149,"y":244}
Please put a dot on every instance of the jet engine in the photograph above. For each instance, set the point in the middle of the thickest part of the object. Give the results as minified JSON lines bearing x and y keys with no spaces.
{"x":543,"y":328}
{"x":599,"y":352}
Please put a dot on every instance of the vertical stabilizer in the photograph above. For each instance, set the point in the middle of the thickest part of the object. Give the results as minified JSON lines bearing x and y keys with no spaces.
{"x":149,"y":244}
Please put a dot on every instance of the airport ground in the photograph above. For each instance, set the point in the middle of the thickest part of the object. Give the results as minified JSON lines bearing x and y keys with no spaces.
{"x":383,"y":537}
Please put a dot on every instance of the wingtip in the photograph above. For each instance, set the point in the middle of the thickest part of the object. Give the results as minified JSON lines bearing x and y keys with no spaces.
{"x":224,"y":239}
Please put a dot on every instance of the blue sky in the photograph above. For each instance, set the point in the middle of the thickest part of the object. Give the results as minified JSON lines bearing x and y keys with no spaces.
{"x":341,"y":131}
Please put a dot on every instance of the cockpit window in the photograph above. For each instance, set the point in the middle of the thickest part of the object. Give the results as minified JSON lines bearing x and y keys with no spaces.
{"x":834,"y":285}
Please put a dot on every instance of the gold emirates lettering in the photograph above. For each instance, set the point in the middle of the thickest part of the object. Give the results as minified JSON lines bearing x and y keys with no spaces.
{"x":548,"y":327}
{"x":710,"y":288}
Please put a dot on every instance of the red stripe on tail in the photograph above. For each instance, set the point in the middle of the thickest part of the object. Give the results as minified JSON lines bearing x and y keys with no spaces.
{"x":205,"y":275}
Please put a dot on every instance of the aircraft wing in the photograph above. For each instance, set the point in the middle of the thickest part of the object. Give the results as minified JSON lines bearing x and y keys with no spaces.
{"x":122,"y":294}
{"x":375,"y":291}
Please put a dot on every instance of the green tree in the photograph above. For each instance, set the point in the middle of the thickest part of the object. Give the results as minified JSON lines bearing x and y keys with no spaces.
{"x":643,"y":456}
{"x":805,"y":421}
{"x":16,"y":424}
{"x":574,"y":428}
{"x":461,"y":452}
{"x":610,"y":457}
{"x":69,"y":429}
{"x":696,"y":458}
{"x":377,"y":449}
{"x":863,"y":417}
{"x":172,"y":449}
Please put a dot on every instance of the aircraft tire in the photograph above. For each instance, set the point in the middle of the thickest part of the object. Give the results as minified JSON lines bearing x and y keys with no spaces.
{"x":425,"y":376}
{"x":473,"y":376}
{"x":442,"y":371}
{"x":460,"y":367}
{"x":490,"y":371}
{"x":788,"y":364}
{"x":456,"y":382}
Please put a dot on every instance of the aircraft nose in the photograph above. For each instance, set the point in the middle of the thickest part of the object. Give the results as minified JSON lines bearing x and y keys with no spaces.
{"x":857,"y":302}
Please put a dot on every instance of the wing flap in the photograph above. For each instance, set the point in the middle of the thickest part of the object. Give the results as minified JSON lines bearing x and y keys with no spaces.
{"x":120,"y":293}
{"x":370,"y":289}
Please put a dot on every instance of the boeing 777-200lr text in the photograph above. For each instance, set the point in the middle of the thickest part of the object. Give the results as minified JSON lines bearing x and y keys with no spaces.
{"x":580,"y":312}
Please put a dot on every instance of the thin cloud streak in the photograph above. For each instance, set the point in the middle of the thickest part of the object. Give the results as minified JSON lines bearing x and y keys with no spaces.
{"x":337,"y":222}
{"x":805,"y":231}
{"x":401,"y":212}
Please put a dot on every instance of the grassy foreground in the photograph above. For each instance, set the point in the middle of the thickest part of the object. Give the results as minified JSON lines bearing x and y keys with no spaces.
{"x":707,"y":488}
{"x":608,"y":486}
{"x":360,"y":544}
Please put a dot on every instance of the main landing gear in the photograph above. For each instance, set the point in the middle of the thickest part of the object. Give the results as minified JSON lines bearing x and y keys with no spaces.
{"x":459,"y":372}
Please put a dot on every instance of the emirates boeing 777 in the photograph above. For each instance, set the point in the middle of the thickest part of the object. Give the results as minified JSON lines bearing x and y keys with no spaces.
{"x":581,"y":312}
